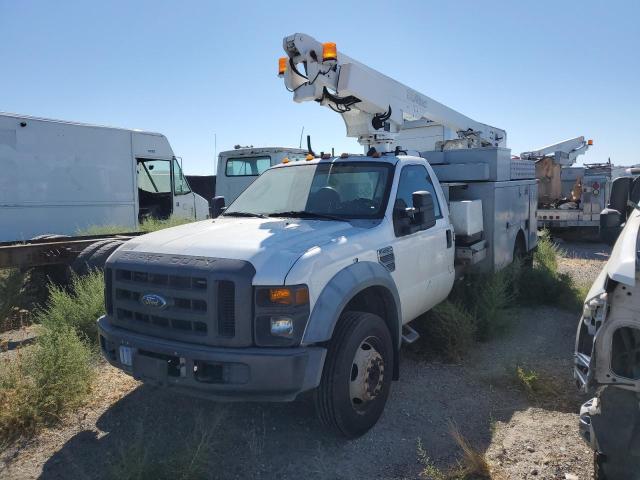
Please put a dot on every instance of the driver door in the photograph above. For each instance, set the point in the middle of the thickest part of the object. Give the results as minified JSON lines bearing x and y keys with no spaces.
{"x":424,"y":259}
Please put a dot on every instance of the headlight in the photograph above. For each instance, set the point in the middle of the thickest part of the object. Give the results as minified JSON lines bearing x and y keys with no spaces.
{"x":282,"y":327}
{"x":281,"y":315}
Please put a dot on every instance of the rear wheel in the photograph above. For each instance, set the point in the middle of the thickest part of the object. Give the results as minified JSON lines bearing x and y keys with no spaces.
{"x":94,"y":256}
{"x":520,"y":253}
{"x":356,"y":379}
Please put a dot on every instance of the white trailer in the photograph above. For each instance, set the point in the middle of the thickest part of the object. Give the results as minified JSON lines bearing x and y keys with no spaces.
{"x":61,"y":177}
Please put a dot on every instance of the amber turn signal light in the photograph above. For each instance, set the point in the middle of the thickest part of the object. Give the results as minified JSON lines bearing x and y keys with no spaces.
{"x":288,"y":296}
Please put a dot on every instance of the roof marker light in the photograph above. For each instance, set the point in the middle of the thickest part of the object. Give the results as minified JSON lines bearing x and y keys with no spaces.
{"x":329,"y":51}
{"x":282,"y":65}
{"x":589,"y":142}
{"x":309,"y":157}
{"x":285,"y":160}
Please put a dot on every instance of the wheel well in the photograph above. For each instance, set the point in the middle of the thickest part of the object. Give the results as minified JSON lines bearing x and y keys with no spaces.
{"x":379,"y":301}
{"x":521,"y":239}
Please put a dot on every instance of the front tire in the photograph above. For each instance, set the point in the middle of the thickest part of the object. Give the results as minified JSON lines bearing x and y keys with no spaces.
{"x":357,"y":375}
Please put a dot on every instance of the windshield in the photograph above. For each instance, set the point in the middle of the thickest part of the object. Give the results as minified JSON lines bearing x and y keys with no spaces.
{"x":247,"y":167}
{"x":343,"y":190}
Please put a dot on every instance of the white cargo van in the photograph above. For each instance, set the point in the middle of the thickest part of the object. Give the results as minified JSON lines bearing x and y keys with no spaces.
{"x":60,"y":177}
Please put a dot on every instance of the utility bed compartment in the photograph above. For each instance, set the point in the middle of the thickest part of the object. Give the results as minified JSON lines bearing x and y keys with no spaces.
{"x":466,"y":217}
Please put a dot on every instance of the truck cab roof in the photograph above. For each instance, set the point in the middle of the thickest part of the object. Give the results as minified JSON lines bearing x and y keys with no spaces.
{"x":250,"y":151}
{"x":391,"y":159}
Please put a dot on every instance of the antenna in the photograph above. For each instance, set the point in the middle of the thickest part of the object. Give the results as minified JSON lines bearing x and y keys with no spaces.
{"x":215,"y":152}
{"x":301,"y":134}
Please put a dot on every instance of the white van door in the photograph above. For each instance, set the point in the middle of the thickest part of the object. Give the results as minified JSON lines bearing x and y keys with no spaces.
{"x":183,"y":198}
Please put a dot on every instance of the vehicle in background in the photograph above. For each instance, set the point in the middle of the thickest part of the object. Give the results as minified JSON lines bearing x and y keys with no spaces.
{"x":620,"y":205}
{"x":607,"y":357}
{"x":310,"y":278}
{"x":592,"y":196}
{"x":238,"y":168}
{"x":203,"y":185}
{"x":568,"y":196}
{"x":61,"y":177}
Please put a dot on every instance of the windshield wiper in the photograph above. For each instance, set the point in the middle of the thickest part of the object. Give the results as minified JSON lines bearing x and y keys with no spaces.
{"x":307,"y":214}
{"x":243,"y":214}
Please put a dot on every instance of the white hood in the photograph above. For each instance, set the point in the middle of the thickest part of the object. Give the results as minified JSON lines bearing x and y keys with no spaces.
{"x":272,"y":245}
{"x":621,"y":265}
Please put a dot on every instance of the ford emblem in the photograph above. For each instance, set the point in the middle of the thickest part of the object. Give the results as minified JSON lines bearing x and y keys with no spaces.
{"x":153,"y":300}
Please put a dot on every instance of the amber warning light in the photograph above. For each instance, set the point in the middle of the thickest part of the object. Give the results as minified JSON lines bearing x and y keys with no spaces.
{"x":329,"y":51}
{"x":282,"y":65}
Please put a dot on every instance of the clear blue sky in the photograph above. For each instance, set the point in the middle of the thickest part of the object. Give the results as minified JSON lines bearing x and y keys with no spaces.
{"x":542,"y":70}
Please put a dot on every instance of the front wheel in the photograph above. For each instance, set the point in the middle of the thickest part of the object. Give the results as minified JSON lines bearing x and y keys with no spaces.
{"x":356,"y":379}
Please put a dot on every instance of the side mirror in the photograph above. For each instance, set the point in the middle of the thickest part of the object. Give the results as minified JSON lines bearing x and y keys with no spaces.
{"x":216,"y":207}
{"x":424,"y":210}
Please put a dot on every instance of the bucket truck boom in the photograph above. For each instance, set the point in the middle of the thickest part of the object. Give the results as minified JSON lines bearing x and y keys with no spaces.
{"x":565,"y":153}
{"x":374,"y":107}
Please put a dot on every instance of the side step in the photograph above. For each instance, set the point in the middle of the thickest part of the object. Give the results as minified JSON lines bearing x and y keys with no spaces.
{"x":409,"y":335}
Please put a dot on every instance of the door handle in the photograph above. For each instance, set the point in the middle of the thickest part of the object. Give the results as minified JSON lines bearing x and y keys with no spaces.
{"x":449,"y":238}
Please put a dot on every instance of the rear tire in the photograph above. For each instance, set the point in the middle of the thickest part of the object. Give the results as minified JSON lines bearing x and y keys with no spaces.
{"x":94,"y":256}
{"x":357,"y":375}
{"x":520,"y":253}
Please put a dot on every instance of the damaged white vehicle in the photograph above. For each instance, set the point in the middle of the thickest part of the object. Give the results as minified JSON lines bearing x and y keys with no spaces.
{"x":607,"y":360}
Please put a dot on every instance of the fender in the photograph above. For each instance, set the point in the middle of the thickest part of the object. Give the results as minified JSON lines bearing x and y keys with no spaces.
{"x":340,"y":290}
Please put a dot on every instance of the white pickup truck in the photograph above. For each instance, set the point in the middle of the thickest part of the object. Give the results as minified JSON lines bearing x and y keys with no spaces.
{"x":304,"y":283}
{"x":607,"y":357}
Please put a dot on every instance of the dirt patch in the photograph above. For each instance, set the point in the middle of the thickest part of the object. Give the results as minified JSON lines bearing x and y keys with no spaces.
{"x":286,"y":441}
{"x":540,"y":444}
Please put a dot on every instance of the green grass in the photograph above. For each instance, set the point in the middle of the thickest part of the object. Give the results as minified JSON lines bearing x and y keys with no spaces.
{"x":489,"y":298}
{"x":44,"y":382}
{"x":545,"y":285}
{"x":12,"y":294}
{"x":480,"y":306}
{"x":147,"y":226}
{"x":77,"y":307}
{"x":448,"y":330}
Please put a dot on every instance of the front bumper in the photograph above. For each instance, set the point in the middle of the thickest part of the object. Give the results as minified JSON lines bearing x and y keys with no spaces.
{"x":219,"y":373}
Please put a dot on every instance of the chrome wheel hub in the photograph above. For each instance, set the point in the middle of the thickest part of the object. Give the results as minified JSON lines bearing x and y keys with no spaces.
{"x":367,"y":375}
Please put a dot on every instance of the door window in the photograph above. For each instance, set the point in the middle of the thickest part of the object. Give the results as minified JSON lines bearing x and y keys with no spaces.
{"x":154,"y":176}
{"x":247,"y":166}
{"x":414,"y":178}
{"x":180,"y":184}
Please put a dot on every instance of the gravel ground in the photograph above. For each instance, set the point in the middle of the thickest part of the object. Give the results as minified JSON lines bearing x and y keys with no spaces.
{"x":583,"y":261}
{"x":131,"y":423}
